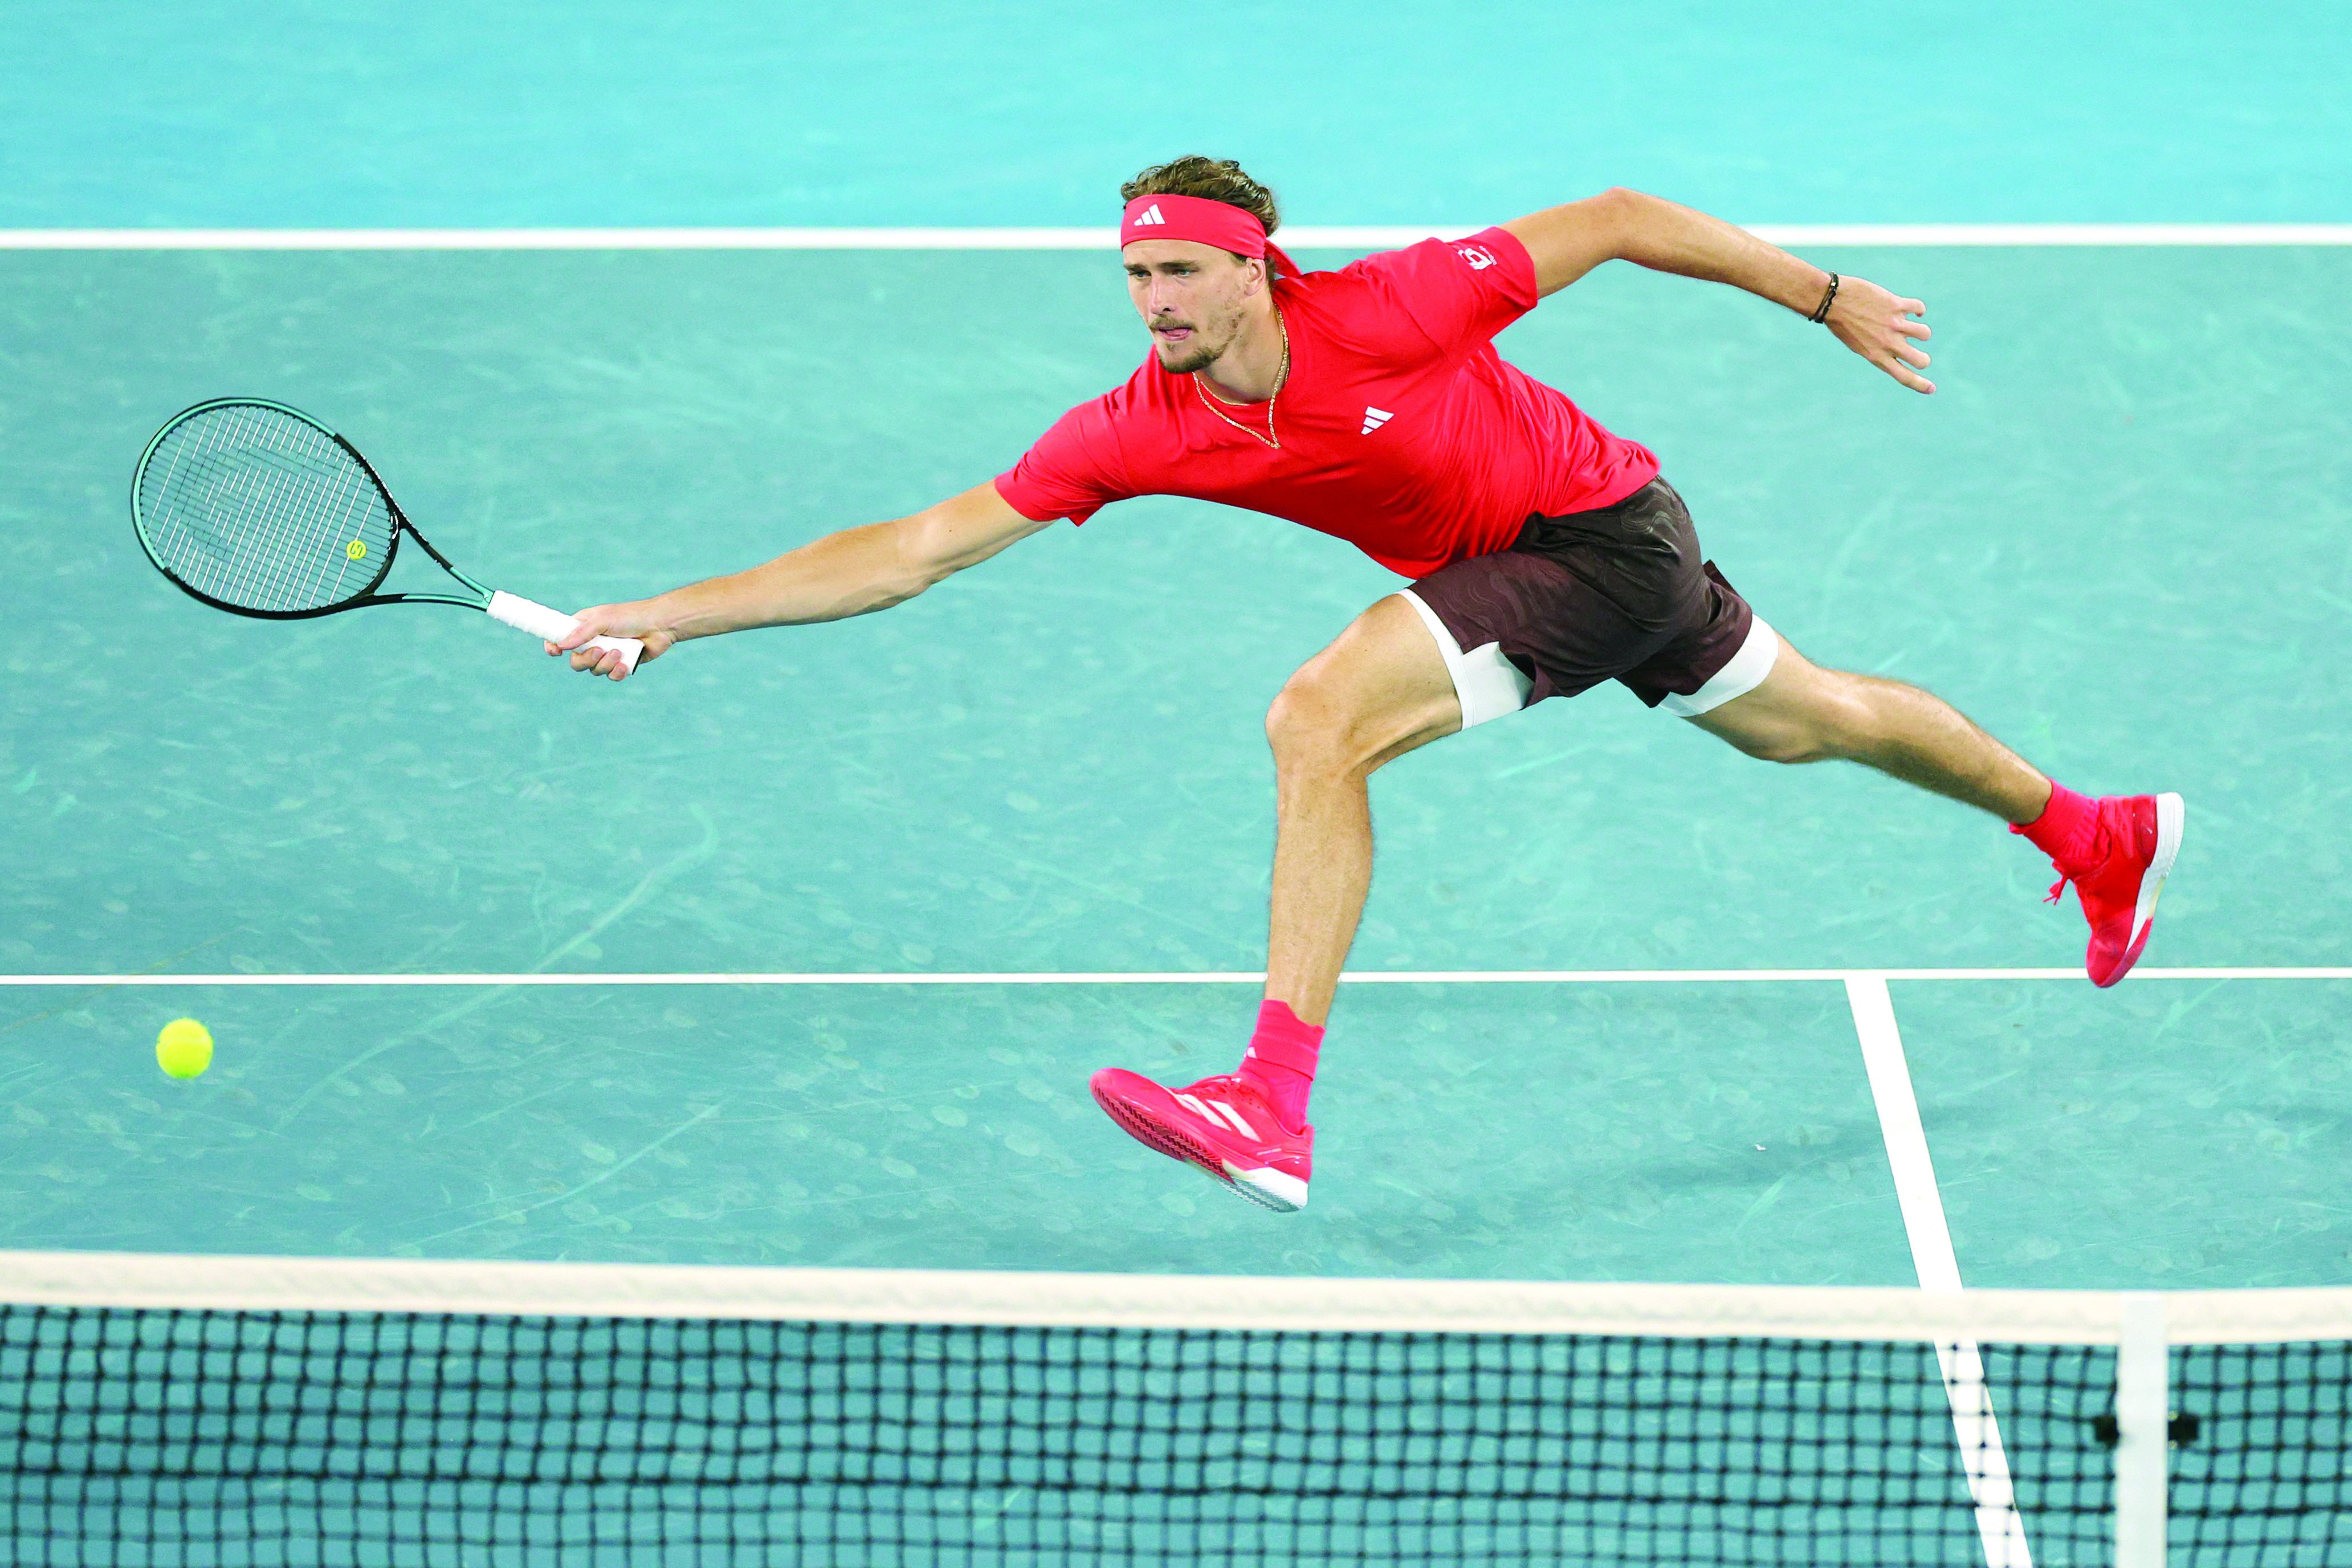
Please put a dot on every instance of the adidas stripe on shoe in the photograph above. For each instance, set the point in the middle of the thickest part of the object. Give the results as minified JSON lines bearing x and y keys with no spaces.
{"x":1222,"y":1126}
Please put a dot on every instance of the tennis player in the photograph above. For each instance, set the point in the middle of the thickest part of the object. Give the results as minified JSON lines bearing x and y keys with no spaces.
{"x":1546,"y":555}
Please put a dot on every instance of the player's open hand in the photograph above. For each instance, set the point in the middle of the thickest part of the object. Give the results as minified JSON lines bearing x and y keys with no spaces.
{"x":1883,"y":329}
{"x":636,"y":620}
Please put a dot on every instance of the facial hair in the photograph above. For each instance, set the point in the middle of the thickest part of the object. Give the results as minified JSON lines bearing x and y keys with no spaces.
{"x":1198,"y":358}
{"x":1199,"y":355}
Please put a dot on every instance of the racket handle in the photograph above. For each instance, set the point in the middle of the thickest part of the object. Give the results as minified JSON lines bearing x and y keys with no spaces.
{"x":554,"y":626}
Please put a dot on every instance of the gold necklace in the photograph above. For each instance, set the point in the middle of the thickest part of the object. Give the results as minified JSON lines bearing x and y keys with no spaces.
{"x":1272,"y":438}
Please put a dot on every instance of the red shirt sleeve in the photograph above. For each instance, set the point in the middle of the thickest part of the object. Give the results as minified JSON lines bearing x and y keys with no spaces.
{"x":1458,"y":292}
{"x":1073,"y":471}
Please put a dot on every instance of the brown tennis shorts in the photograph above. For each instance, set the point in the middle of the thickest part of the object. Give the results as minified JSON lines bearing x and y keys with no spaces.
{"x":1616,"y":594}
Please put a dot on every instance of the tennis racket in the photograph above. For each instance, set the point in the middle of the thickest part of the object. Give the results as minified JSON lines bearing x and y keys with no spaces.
{"x":258,"y":510}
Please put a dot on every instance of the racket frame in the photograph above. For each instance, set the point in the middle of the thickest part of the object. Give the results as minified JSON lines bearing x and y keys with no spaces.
{"x":367,"y":595}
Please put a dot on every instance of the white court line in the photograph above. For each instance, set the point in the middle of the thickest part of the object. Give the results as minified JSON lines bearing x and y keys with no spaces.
{"x":1341,"y":236}
{"x":1982,"y":1457}
{"x":1175,"y":977}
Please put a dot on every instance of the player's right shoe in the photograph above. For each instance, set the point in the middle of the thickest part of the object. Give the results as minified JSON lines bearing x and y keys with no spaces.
{"x":1222,"y":1124}
{"x":2137,"y":840}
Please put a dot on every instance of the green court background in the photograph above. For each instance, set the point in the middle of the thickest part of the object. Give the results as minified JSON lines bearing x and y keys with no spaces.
{"x":534,"y":112}
{"x":2116,"y":537}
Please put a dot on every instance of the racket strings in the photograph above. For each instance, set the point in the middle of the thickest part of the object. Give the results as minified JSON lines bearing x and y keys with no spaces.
{"x":286,"y":511}
{"x":258,"y":509}
{"x":232,"y":510}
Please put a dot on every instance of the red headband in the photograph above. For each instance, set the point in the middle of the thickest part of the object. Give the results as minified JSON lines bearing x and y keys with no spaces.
{"x":1204,"y":222}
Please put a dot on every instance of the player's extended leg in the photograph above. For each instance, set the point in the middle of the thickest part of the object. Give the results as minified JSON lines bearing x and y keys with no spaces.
{"x":1802,"y":712}
{"x":1377,"y":692}
{"x":2118,"y":851}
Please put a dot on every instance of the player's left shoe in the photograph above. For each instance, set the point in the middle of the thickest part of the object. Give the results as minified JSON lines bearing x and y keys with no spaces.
{"x":1222,"y":1124}
{"x":2138,"y":839}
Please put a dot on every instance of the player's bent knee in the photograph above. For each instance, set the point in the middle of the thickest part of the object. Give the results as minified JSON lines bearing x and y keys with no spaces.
{"x":1308,"y":721}
{"x":1285,"y":718}
{"x":1380,"y":691}
{"x":1323,"y":722}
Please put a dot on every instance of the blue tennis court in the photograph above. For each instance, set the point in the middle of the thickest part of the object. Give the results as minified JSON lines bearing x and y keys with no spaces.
{"x":798,"y":949}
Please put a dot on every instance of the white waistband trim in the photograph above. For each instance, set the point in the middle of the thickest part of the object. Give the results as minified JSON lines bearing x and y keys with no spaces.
{"x":1487,"y":684}
{"x":1743,"y":674}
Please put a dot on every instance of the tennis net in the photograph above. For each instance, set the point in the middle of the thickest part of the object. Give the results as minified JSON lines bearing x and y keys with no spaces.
{"x":164,"y":1411}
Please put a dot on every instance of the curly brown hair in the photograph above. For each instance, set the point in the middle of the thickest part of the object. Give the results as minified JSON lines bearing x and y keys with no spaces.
{"x":1215,"y":179}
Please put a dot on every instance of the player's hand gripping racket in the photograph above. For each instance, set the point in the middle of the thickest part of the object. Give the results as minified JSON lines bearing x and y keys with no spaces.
{"x":258,"y":509}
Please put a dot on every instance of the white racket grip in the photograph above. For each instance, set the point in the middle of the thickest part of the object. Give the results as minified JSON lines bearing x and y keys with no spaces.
{"x":554,"y":626}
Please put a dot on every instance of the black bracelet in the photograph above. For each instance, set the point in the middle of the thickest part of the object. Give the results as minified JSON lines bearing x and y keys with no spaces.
{"x":1822,"y":314}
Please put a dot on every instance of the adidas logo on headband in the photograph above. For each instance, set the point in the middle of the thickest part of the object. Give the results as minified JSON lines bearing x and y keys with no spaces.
{"x":1149,"y":214}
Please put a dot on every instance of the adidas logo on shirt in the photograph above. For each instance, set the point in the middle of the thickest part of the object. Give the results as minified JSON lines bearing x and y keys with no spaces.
{"x":1149,"y":214}
{"x":1373,"y":419}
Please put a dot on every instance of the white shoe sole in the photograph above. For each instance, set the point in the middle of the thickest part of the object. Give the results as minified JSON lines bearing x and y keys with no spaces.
{"x":2171,"y":821}
{"x":1268,"y":1189}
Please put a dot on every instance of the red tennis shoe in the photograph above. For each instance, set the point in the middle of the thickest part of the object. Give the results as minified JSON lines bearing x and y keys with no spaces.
{"x":2136,"y":841}
{"x":1221,"y":1125}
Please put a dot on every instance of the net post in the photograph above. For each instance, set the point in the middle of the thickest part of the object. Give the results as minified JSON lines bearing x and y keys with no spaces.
{"x":2143,"y":1402}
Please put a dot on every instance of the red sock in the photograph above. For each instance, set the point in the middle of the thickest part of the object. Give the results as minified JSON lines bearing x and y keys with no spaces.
{"x":1280,"y":1061}
{"x":2064,"y":829}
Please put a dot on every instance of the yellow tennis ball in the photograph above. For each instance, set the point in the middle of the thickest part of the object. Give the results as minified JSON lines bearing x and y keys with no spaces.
{"x":185,"y":1049}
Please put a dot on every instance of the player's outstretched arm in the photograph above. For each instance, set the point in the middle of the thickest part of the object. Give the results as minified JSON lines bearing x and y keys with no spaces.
{"x":1567,"y":242}
{"x":852,"y":572}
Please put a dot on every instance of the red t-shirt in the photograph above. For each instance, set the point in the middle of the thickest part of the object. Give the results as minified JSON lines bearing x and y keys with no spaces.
{"x":1402,"y":430}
